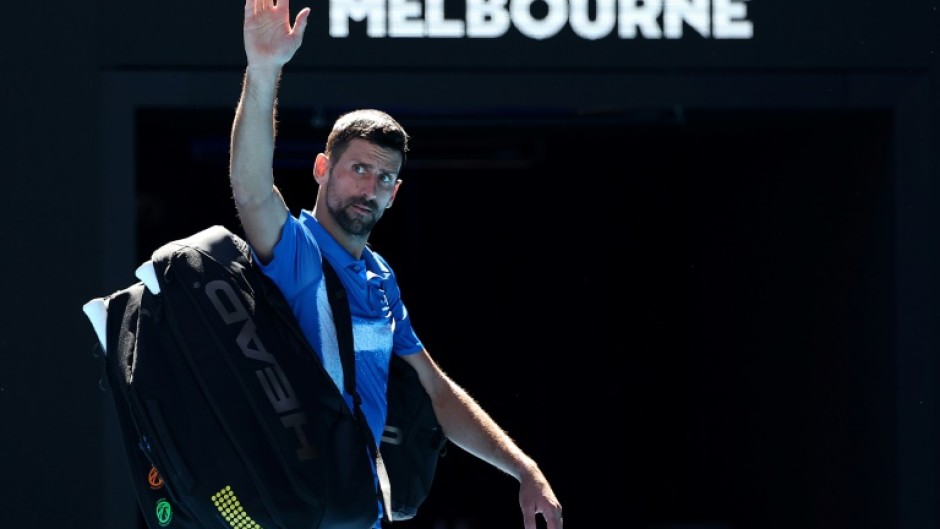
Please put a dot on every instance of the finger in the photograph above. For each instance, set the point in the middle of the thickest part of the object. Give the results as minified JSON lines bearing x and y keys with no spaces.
{"x":553,"y":520}
{"x":528,"y":518}
{"x":300,"y":23}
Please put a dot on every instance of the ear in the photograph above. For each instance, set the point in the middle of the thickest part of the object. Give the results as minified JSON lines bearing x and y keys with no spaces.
{"x":321,"y":168}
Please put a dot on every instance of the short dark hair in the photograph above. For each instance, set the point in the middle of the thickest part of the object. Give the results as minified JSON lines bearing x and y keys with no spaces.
{"x":371,"y":125}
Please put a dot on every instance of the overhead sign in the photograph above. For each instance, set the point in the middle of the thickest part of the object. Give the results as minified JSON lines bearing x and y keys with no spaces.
{"x":541,"y":19}
{"x":442,"y":38}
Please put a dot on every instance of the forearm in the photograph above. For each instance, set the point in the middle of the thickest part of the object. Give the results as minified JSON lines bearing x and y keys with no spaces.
{"x":467,"y":425}
{"x":261,"y":208}
{"x":253,"y":132}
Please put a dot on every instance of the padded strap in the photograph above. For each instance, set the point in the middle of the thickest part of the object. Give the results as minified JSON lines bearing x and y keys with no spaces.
{"x":342,"y":318}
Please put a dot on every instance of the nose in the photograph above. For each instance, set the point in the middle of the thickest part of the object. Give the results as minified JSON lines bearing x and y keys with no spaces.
{"x":369,"y":184}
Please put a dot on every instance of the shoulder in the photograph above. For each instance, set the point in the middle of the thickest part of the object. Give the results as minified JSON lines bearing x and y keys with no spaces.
{"x":296,"y":257}
{"x":299,"y":234}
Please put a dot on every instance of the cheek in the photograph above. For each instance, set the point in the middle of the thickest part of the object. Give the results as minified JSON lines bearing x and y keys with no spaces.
{"x":338,"y":181}
{"x":342,"y":188}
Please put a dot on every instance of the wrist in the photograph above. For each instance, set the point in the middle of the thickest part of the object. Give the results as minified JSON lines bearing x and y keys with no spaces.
{"x":263,"y":72}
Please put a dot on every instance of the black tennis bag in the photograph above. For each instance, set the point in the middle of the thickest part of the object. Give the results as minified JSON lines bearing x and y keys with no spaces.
{"x":228,"y":417}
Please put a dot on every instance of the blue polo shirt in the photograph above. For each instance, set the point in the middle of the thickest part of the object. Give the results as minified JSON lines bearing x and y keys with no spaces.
{"x":379,"y":319}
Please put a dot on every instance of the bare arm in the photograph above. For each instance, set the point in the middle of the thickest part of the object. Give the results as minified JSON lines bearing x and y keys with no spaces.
{"x":270,"y":42}
{"x":468,"y":426}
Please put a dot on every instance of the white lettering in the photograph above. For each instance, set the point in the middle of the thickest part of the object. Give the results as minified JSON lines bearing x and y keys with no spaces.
{"x":342,"y":11}
{"x":528,"y":25}
{"x":437,"y":25}
{"x":278,"y":389}
{"x":392,"y":435}
{"x":273,"y":381}
{"x":695,"y":13}
{"x":487,"y":18}
{"x":603,"y":23}
{"x":642,"y":15}
{"x":649,"y":19}
{"x":404,"y":18}
{"x":728,"y":21}
{"x":250,"y":345}
{"x":231,"y":312}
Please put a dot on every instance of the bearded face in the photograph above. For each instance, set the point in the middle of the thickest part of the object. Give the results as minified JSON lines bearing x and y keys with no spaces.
{"x":360,"y":185}
{"x":356,"y":216}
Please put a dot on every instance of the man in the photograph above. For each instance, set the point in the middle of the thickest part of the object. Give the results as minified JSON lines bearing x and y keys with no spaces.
{"x":357,"y":175}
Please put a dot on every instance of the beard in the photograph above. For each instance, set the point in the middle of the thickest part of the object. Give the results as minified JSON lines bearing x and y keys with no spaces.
{"x":353,"y":221}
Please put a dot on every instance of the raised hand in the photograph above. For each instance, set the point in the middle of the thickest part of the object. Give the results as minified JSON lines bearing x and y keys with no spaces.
{"x":269,"y":38}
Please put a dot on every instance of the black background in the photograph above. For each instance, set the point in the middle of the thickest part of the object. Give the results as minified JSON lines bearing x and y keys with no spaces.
{"x":694,"y":279}
{"x":654,"y":311}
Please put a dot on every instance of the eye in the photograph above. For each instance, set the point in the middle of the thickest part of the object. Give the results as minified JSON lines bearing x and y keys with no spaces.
{"x":386,"y":178}
{"x":359,"y":169}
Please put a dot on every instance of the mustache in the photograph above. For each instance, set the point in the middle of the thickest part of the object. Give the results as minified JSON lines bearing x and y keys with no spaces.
{"x":372,"y":205}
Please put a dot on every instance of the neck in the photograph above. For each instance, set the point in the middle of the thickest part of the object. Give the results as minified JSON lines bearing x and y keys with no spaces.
{"x":354,"y":244}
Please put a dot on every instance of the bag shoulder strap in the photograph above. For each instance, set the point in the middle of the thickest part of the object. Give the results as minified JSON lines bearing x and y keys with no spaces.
{"x":342,"y":318}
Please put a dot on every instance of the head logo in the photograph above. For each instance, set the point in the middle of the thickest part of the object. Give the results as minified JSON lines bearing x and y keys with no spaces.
{"x":154,"y":479}
{"x":164,"y":512}
{"x":272,"y":378}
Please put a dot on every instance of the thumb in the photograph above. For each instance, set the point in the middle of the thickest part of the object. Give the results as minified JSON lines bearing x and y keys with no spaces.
{"x":300,"y":23}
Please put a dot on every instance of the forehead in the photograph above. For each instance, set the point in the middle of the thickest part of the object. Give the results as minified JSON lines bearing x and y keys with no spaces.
{"x":362,"y":151}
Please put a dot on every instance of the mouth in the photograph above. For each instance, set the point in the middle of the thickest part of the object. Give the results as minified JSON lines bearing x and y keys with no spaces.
{"x":363,"y":209}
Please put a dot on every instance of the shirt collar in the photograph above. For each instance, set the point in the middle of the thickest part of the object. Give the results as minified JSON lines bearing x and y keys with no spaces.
{"x":332,"y":249}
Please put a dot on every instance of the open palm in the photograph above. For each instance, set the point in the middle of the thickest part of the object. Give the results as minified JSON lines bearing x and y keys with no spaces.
{"x":269,"y":37}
